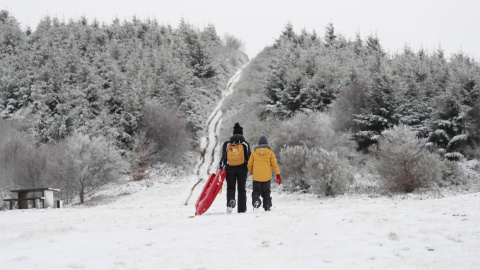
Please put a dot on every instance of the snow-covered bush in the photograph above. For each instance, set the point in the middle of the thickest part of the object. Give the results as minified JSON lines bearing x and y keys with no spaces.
{"x":293,"y":161}
{"x":428,"y":169}
{"x":312,"y":130}
{"x":404,"y":163}
{"x":316,"y":170}
{"x":452,"y":174}
{"x":326,"y":173}
{"x":309,"y":130}
{"x":80,"y":165}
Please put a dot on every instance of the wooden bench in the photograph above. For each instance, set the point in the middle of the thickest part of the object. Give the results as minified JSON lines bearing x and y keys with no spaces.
{"x":25,"y":195}
{"x":36,"y":201}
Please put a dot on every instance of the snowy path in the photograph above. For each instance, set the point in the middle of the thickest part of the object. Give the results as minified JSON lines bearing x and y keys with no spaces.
{"x":209,"y":145}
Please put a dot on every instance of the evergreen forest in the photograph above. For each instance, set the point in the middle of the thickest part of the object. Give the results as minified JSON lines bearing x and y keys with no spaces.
{"x":145,"y":89}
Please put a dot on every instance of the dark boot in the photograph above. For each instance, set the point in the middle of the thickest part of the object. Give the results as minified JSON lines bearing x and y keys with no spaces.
{"x":257,"y":191}
{"x":230,"y":206}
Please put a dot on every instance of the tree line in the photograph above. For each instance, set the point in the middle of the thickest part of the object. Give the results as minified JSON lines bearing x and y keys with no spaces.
{"x":369,"y":90}
{"x":345,"y":113}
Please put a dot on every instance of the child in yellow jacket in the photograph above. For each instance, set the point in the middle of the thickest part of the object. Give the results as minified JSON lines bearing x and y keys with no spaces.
{"x":260,"y":165}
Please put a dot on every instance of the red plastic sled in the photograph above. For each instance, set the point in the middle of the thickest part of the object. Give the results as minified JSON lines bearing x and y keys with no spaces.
{"x":210,"y":191}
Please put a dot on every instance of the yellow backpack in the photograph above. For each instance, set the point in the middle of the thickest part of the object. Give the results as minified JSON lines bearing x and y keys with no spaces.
{"x":235,"y":155}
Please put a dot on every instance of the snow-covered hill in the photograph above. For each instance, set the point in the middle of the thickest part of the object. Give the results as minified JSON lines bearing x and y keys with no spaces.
{"x":146,"y":225}
{"x":150,"y":229}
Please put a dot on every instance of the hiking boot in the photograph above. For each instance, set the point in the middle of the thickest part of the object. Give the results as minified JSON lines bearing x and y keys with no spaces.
{"x":268,"y":208}
{"x":230,"y":206}
{"x":256,"y":205}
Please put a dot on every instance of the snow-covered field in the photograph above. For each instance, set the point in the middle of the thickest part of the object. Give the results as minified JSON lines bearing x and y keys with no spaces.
{"x":150,"y":229}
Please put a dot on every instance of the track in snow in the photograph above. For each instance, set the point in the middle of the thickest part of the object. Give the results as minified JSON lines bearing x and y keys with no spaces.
{"x":210,"y":144}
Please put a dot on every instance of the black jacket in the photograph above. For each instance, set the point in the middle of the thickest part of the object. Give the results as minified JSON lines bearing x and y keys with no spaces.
{"x":236,"y":138}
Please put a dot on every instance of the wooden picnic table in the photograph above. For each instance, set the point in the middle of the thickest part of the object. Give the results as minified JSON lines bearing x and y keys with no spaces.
{"x":37,"y":195}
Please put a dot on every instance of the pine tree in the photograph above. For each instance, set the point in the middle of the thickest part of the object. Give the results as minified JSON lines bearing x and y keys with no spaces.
{"x":330,"y":37}
{"x":11,"y":35}
{"x":379,"y":115}
{"x":449,"y":132}
{"x":196,"y":53}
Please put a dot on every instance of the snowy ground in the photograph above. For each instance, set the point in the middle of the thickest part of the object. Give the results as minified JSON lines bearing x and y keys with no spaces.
{"x":150,"y":229}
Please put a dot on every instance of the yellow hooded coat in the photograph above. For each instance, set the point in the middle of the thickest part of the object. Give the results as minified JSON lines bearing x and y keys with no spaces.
{"x":261,"y":162}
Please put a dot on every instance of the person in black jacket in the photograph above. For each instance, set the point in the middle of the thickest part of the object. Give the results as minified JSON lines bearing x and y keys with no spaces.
{"x":236,"y":175}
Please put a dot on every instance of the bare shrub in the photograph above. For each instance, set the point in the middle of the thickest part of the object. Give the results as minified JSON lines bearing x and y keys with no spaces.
{"x":10,"y":152}
{"x":316,"y":170}
{"x":347,"y":104}
{"x":143,"y":155}
{"x":404,"y":163}
{"x":232,"y":43}
{"x":79,"y":165}
{"x":22,"y":164}
{"x":6,"y":131}
{"x":163,"y":130}
{"x":7,"y":166}
{"x":31,"y":167}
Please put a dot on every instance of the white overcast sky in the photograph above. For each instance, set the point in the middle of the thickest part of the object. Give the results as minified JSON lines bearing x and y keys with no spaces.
{"x":452,"y":25}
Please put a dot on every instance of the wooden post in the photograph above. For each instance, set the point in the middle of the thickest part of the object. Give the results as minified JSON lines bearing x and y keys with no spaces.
{"x":37,"y":203}
{"x":22,"y":204}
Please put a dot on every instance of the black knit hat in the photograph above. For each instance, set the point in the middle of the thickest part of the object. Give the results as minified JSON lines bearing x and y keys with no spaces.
{"x":262,"y":140}
{"x":237,"y":129}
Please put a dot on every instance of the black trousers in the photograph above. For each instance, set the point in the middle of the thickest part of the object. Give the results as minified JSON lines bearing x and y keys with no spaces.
{"x":262,"y":189}
{"x":237,"y":177}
